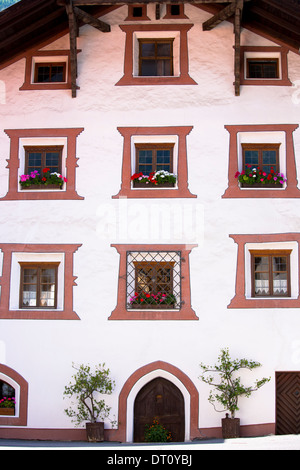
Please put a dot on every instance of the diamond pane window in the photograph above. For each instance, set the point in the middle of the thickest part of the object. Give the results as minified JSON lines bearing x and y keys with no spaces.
{"x":153,"y":280}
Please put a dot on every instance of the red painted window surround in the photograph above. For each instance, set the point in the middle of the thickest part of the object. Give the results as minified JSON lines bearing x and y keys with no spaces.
{"x":29,"y":85}
{"x":234,"y":191}
{"x":20,"y":420}
{"x":182,"y":190}
{"x":283,"y":81}
{"x":13,"y":164}
{"x":182,"y":79}
{"x":69,"y":281}
{"x":185,"y":313}
{"x":240,"y":300}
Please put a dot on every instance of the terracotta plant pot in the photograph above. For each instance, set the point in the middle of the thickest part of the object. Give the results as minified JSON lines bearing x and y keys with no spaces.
{"x":95,"y":432}
{"x":230,"y":427}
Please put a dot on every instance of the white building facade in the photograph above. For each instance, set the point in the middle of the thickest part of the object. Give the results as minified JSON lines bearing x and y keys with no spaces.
{"x":227,"y":255}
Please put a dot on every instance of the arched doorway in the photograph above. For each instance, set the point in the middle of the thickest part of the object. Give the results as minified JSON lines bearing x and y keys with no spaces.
{"x":159,"y":399}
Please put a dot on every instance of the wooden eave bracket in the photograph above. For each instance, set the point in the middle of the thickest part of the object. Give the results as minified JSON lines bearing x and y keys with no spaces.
{"x":235,"y":8}
{"x":74,"y":15}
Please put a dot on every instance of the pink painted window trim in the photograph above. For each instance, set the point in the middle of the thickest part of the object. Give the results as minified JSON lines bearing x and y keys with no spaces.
{"x":69,"y":282}
{"x":13,"y":164}
{"x":144,"y":16}
{"x":240,"y":300}
{"x":185,"y":313}
{"x":182,"y":190}
{"x":182,"y":79}
{"x":20,"y":420}
{"x":283,"y":81}
{"x":234,"y":191}
{"x":29,"y":85}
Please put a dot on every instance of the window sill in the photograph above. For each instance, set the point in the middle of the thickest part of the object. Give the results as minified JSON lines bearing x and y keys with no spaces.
{"x":38,"y":314}
{"x":140,"y":81}
{"x":144,"y":314}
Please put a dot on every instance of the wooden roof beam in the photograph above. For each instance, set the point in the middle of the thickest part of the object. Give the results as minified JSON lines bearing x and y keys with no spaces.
{"x":237,"y":46}
{"x":222,"y":15}
{"x":89,"y":19}
{"x":73,"y":29}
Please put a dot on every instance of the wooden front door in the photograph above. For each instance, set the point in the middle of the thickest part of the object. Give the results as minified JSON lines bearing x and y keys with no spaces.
{"x":159,"y":399}
{"x":287,"y":402}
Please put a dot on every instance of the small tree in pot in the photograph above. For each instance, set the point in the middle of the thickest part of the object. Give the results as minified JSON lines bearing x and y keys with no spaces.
{"x":228,"y":388}
{"x":86,"y":388}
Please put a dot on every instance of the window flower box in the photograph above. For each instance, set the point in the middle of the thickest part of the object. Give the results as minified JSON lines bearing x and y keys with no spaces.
{"x":257,"y":178}
{"x":152,"y":306}
{"x":45,"y":181}
{"x":159,"y":301}
{"x":161,"y":179}
{"x":7,"y":406}
{"x":7,"y":411}
{"x":141,"y":184}
{"x":42,"y":186}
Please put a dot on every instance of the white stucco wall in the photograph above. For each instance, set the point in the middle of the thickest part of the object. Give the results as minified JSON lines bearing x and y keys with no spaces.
{"x":43,"y":351}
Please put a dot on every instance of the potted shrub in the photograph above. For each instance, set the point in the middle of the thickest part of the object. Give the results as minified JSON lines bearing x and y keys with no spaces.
{"x":47,"y":180}
{"x":7,"y":406}
{"x":87,"y":389}
{"x":159,"y":178}
{"x":257,"y":178}
{"x":156,"y":432}
{"x":228,"y":388}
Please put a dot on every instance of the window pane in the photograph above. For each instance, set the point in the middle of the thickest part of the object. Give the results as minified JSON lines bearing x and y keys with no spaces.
{"x":262,"y":283}
{"x":43,"y":74}
{"x":261,"y":263}
{"x":280,"y":286}
{"x":47,"y":288}
{"x":57,"y":73}
{"x":29,"y":297}
{"x":163,"y":67}
{"x":52,"y":161}
{"x":34,"y":161}
{"x":251,"y":157}
{"x":148,"y":68}
{"x":148,"y":49}
{"x":6,"y":390}
{"x":262,"y":69}
{"x":163,"y":49}
{"x":270,"y":69}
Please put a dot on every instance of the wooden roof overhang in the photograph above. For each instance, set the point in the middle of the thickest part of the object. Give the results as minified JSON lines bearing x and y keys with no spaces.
{"x":34,"y":23}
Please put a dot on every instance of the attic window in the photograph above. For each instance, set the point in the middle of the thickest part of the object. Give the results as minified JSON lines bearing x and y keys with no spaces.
{"x":50,"y":72}
{"x":137,"y":12}
{"x":262,"y":68}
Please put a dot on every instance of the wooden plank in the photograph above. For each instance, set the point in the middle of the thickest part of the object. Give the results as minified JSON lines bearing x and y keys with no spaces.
{"x":73,"y":46}
{"x":224,"y":14}
{"x":237,"y":46}
{"x":90,"y":20}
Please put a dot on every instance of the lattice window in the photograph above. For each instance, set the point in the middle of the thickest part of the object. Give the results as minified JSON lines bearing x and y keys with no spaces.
{"x":153,"y":280}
